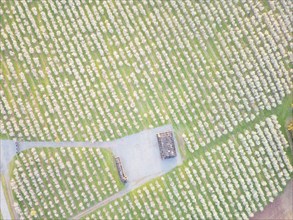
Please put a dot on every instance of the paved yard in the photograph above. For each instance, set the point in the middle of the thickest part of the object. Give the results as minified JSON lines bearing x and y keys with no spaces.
{"x":139,"y":153}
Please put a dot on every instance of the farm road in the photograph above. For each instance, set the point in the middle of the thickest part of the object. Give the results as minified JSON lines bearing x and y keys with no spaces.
{"x":139,"y":154}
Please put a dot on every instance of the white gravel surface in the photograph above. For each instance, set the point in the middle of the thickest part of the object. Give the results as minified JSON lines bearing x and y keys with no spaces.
{"x":139,"y":154}
{"x":4,"y":207}
{"x":7,"y":152}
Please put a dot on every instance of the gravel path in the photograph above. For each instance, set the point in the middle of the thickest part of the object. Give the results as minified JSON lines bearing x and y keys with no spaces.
{"x":7,"y":152}
{"x":139,"y":154}
{"x":4,"y":207}
{"x":127,"y":189}
{"x":8,"y":149}
{"x":100,"y":204}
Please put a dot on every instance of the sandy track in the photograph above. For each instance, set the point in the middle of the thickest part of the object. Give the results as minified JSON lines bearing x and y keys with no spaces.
{"x":281,"y":208}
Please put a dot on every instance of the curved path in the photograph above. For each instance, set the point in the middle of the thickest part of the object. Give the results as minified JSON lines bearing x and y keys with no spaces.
{"x":139,"y":154}
{"x":127,"y":189}
{"x":4,"y":207}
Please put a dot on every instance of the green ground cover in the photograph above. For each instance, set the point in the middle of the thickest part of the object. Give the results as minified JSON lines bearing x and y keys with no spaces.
{"x":178,"y":180}
{"x":101,"y":70}
{"x":57,"y":177}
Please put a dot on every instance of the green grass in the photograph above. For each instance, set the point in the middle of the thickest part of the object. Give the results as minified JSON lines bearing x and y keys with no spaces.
{"x":157,"y":101}
{"x":30,"y":96}
{"x":100,"y":181}
{"x":176,"y":173}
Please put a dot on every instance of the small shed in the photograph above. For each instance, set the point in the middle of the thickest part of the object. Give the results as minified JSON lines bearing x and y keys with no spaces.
{"x":166,"y":145}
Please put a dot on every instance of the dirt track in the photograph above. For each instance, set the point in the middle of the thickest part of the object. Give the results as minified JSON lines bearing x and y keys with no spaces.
{"x":281,"y":208}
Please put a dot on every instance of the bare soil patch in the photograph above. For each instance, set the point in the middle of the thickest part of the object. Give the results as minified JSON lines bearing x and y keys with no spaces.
{"x":281,"y":208}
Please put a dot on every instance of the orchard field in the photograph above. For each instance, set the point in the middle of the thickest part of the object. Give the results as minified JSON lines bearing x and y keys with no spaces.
{"x":218,"y":71}
{"x":58,"y":183}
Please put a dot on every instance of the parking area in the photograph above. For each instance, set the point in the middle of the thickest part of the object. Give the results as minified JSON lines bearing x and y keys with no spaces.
{"x":139,"y":153}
